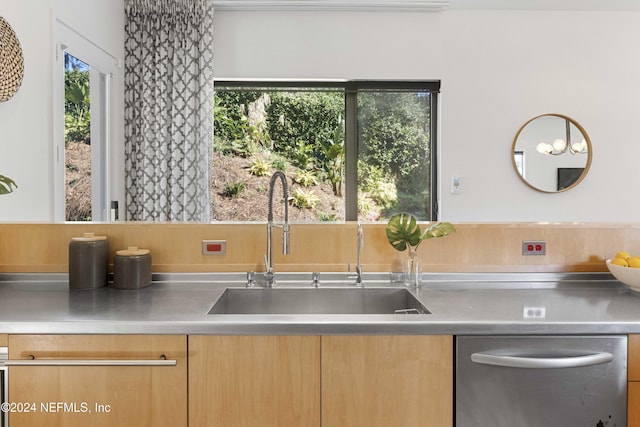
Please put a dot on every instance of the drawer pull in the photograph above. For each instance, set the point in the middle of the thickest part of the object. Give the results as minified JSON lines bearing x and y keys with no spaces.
{"x":90,"y":362}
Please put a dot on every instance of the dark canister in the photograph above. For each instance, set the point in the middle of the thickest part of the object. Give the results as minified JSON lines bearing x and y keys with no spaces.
{"x":88,"y":261}
{"x":132,"y":268}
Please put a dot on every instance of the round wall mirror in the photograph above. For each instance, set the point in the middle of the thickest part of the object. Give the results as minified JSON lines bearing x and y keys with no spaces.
{"x":551,"y":153}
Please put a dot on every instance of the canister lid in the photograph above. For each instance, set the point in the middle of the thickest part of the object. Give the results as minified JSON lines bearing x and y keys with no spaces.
{"x":88,"y":237}
{"x":132,"y":251}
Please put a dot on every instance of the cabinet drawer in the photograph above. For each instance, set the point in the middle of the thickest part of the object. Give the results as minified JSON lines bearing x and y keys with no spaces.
{"x":103,"y":395}
{"x":633,"y":372}
{"x":97,"y":346}
{"x":633,"y":404}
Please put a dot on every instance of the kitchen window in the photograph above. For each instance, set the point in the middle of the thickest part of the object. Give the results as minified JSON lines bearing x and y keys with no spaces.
{"x":352,"y":150}
{"x":81,"y":110}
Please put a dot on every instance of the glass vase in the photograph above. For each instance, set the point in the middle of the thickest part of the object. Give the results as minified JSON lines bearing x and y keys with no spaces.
{"x":413,"y":270}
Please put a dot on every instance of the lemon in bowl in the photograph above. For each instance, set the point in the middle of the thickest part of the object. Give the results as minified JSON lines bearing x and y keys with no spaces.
{"x":627,"y":274}
{"x":619,"y":261}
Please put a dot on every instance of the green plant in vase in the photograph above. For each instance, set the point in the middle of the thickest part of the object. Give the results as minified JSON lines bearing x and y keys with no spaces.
{"x":403,"y":232}
{"x":7,"y":185}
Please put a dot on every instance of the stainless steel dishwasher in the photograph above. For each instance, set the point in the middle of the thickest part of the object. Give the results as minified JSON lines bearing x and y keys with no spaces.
{"x":541,"y":381}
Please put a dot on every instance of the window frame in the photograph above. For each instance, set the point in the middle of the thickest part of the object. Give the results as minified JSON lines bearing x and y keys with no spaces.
{"x":351,"y":89}
{"x":102,"y":67}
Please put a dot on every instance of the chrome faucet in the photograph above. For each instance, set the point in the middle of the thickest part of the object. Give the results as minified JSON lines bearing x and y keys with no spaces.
{"x":269,"y":277}
{"x":360,"y":247}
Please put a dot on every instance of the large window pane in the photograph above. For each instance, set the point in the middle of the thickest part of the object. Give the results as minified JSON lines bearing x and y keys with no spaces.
{"x":77,"y":139}
{"x":394,"y":156}
{"x":257,"y":132}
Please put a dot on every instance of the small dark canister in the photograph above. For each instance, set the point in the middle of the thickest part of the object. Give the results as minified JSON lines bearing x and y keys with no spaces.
{"x":132,"y":268}
{"x":88,"y":261}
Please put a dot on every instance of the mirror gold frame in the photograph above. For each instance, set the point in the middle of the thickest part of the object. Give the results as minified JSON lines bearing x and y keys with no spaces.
{"x":569,"y":121}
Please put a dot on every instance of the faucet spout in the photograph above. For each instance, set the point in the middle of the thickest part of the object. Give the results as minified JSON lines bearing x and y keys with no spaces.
{"x":269,"y":275}
{"x":360,"y":247}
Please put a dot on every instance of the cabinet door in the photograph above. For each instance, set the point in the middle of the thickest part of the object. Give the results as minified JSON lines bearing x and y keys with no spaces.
{"x":633,"y":404}
{"x":96,"y":396}
{"x":633,"y":350}
{"x":254,"y":381}
{"x":633,"y":387}
{"x":386,"y":381}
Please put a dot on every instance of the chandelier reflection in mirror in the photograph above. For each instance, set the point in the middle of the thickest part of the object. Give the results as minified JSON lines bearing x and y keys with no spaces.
{"x":542,"y":166}
{"x":560,"y":146}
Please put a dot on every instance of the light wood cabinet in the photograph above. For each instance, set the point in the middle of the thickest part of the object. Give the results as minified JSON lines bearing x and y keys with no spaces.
{"x":246,"y":381}
{"x":381,"y":381}
{"x":95,"y":396}
{"x":234,"y":381}
{"x":633,"y":404}
{"x":254,"y":381}
{"x":633,"y":386}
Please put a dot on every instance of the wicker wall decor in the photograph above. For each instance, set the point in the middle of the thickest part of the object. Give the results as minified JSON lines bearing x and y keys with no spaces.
{"x":11,"y":61}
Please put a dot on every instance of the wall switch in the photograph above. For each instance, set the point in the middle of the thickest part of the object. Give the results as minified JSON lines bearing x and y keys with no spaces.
{"x":214,"y":247}
{"x":534,"y":247}
{"x":456,"y":185}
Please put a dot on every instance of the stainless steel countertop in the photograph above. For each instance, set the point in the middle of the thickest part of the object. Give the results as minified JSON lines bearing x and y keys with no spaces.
{"x":574,"y":303}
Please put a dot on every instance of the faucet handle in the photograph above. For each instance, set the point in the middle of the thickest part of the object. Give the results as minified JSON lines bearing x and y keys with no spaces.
{"x":251,"y":281}
{"x":315,"y":279}
{"x":286,"y":239}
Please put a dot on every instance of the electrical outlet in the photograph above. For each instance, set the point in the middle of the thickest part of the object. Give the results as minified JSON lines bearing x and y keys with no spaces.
{"x":214,"y":247}
{"x":534,"y":247}
{"x":533,"y":312}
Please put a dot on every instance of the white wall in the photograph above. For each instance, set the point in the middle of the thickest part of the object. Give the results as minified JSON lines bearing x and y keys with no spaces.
{"x":498,"y":69}
{"x":26,"y":119}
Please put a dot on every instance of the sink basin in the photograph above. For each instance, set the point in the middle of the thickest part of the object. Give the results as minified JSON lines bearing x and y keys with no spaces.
{"x":318,"y":301}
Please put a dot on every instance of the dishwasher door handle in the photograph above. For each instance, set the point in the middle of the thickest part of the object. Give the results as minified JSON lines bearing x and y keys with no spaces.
{"x":542,"y":362}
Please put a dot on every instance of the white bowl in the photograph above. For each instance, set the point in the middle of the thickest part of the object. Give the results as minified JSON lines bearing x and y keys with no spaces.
{"x":627,"y":275}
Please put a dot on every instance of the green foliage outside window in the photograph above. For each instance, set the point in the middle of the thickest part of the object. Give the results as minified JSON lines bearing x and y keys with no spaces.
{"x":259,"y":167}
{"x":306,"y":119}
{"x":77,"y":116}
{"x":396,"y":141}
{"x":306,"y":129}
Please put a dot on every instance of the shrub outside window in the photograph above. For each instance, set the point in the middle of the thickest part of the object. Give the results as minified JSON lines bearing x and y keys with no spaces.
{"x":352,"y":150}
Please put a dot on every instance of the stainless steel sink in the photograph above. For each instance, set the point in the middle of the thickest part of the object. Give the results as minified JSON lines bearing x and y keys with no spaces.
{"x":318,"y":301}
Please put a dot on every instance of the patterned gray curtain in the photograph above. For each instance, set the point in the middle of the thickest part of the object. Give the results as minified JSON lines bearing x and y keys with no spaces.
{"x":168,"y":109}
